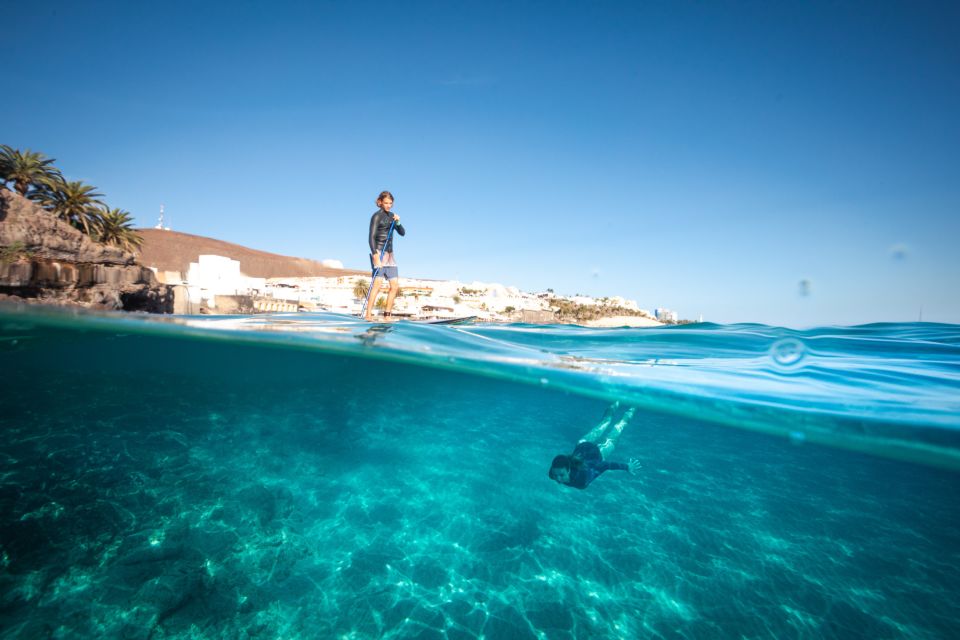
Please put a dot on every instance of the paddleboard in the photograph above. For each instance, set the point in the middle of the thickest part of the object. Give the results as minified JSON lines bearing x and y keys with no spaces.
{"x":463,"y":320}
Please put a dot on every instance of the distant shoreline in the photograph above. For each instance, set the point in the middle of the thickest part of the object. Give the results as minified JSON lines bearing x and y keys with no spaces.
{"x":622,"y":321}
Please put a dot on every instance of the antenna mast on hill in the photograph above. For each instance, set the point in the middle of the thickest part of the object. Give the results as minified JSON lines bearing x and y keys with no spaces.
{"x":160,"y":222}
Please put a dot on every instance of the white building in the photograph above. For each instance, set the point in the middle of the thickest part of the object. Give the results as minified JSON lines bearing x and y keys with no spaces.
{"x":417,"y":298}
{"x":666,"y":315}
{"x":213,"y":275}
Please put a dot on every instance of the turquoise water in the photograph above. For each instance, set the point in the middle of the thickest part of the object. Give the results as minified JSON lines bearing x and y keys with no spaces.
{"x":311,"y":476}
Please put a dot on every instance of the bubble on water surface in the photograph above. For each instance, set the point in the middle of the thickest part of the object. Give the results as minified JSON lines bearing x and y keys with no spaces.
{"x":788,"y":353}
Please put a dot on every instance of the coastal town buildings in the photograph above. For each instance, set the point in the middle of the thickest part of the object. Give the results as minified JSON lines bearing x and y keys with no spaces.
{"x":210,"y":277}
{"x":215,"y":284}
{"x":666,"y":315}
{"x":417,"y":298}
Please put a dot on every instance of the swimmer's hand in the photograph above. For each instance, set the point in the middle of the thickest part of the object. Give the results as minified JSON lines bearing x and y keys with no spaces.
{"x":634,"y":465}
{"x":396,"y":218}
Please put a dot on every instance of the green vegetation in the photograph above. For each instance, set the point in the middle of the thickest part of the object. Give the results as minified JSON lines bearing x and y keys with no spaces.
{"x":115,"y":227}
{"x":14,"y":252}
{"x":33,"y":176}
{"x":360,"y":289}
{"x":568,"y":311}
{"x":27,"y":169}
{"x":73,"y":202}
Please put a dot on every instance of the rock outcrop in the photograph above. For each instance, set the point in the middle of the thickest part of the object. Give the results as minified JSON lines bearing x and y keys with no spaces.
{"x":45,"y":260}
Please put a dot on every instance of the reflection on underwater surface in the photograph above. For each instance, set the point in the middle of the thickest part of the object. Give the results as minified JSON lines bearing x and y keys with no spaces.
{"x":171,"y":483}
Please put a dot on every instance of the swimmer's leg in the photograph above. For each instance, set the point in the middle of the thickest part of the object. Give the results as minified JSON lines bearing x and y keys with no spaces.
{"x":597,"y":432}
{"x":608,"y":445}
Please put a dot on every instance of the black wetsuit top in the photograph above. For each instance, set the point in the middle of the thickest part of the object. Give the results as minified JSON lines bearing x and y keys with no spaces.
{"x":379,"y":228}
{"x":593,"y":465}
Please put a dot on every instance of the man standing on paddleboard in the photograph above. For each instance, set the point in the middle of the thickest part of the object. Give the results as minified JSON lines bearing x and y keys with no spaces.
{"x":382,"y":261}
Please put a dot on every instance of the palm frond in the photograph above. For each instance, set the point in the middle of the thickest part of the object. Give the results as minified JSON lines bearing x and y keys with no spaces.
{"x":115,"y":227}
{"x":73,"y":202}
{"x":27,"y":169}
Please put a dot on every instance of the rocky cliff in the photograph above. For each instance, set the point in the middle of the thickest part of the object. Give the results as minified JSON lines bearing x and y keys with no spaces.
{"x":45,"y":260}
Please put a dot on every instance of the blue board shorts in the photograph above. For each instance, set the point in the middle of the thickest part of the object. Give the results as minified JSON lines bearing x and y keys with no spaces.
{"x":390,"y":273}
{"x":388,"y":270}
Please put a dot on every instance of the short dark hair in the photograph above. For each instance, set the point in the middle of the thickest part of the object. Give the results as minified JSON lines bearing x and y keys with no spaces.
{"x":560,"y":462}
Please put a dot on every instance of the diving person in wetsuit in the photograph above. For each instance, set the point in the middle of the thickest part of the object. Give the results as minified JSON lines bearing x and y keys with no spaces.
{"x":379,"y":230}
{"x":590,"y":457}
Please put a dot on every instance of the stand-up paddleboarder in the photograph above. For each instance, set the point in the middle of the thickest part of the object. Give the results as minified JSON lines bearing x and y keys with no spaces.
{"x":381,"y":244}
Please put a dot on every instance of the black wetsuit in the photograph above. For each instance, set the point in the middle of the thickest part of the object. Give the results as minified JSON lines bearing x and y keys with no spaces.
{"x":593,"y":465}
{"x":379,"y":228}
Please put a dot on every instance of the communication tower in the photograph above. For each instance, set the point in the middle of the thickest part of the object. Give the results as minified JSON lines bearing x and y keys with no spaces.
{"x":160,"y":221}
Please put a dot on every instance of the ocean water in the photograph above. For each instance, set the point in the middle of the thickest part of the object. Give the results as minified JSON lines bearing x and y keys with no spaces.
{"x":312,"y":476}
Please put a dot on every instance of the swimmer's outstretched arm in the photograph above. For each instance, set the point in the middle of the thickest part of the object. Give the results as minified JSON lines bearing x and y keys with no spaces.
{"x":632,"y":466}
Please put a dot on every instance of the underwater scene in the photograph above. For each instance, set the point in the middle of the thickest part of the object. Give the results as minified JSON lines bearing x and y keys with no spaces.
{"x":315,"y":476}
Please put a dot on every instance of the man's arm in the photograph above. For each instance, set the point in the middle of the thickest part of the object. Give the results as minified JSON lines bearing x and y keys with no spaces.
{"x":612,"y":466}
{"x":633,"y":466}
{"x":372,"y":239}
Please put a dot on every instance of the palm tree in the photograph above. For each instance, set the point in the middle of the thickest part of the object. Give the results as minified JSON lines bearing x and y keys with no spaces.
{"x":27,"y":168}
{"x":115,"y":227}
{"x":360,"y":288}
{"x":73,"y":202}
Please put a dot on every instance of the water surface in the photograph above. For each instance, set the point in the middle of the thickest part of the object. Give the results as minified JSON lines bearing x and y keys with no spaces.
{"x":308,"y":476}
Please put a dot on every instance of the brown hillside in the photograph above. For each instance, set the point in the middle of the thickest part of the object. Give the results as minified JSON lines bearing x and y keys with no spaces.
{"x":174,"y":251}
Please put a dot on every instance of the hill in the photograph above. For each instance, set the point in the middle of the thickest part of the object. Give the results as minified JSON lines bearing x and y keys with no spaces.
{"x":174,"y":251}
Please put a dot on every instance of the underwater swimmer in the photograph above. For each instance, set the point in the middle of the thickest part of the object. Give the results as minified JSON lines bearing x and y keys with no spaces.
{"x":589,"y":458}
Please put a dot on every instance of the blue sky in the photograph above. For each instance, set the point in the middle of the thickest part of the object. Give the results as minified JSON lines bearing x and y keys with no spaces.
{"x":705,"y":157}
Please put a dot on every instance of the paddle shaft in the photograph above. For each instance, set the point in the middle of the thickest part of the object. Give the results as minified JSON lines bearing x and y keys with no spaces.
{"x":376,"y":273}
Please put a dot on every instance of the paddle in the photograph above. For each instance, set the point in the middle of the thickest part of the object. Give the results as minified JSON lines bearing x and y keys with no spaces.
{"x":376,"y":273}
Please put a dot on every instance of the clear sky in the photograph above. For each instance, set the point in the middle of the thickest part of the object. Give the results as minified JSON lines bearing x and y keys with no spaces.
{"x":706,"y":157}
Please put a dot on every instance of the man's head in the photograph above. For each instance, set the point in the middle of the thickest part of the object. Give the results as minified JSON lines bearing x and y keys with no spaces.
{"x":560,"y":469}
{"x":385,"y":200}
